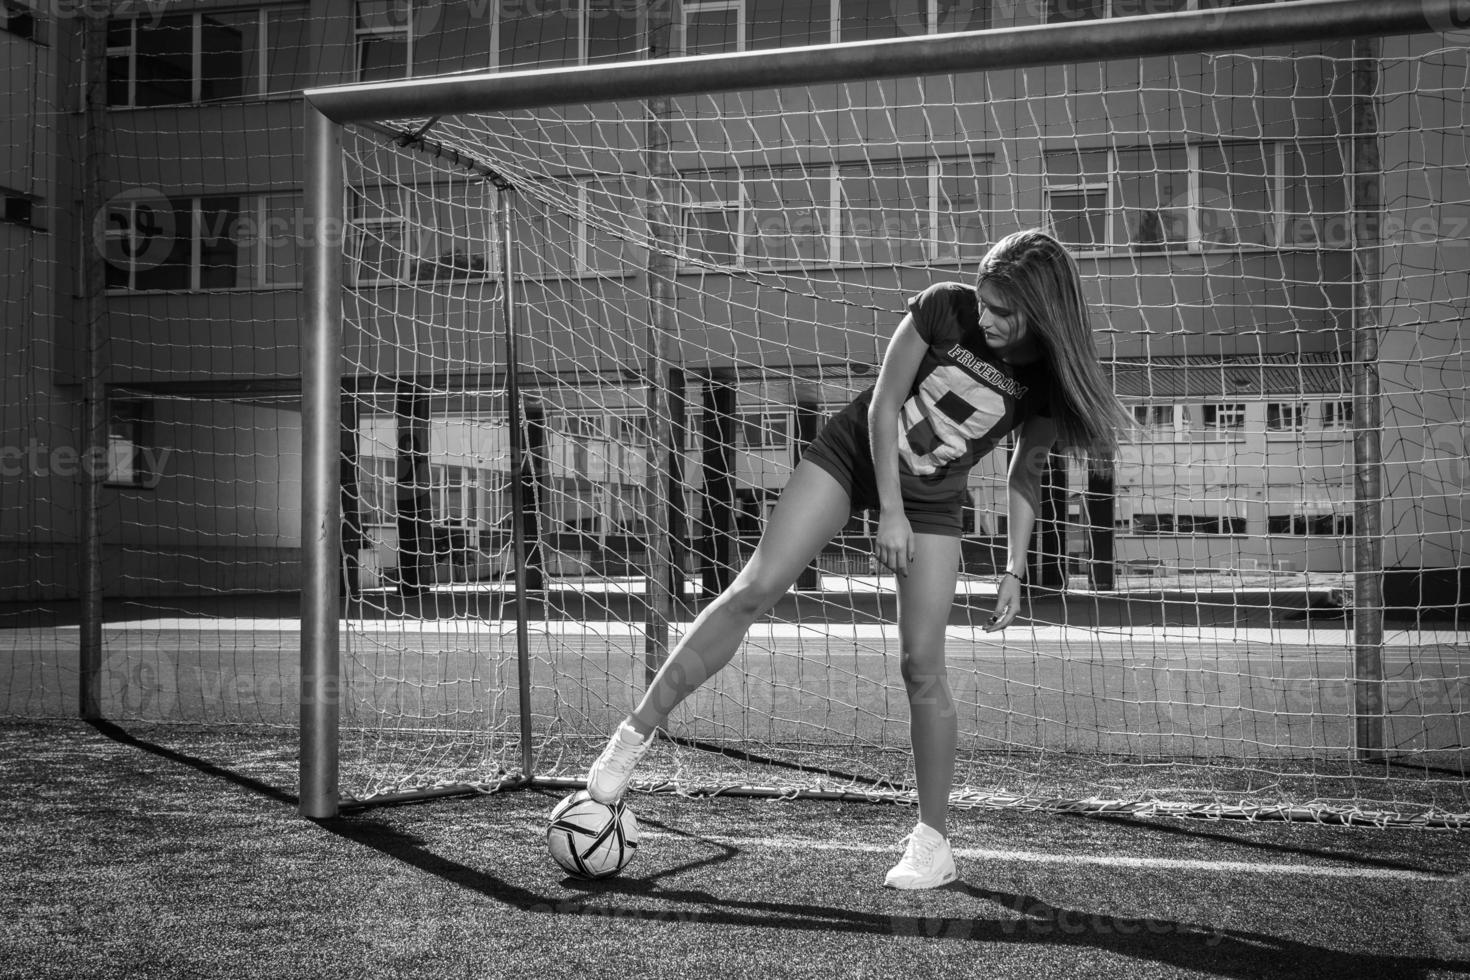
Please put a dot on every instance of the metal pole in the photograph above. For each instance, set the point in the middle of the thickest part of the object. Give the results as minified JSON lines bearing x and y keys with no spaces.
{"x":971,"y":51}
{"x":94,"y":386}
{"x":517,"y":461}
{"x":1367,"y":440}
{"x":321,"y":385}
{"x":660,"y":274}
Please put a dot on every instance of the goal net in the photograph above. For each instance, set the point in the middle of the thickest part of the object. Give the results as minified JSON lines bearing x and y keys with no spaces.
{"x":585,"y":344}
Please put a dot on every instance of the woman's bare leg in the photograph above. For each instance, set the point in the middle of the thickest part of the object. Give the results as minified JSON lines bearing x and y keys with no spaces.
{"x":925,"y":596}
{"x":811,"y":510}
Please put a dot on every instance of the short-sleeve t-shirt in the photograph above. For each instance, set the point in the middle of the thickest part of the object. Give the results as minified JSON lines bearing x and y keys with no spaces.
{"x":963,"y":400}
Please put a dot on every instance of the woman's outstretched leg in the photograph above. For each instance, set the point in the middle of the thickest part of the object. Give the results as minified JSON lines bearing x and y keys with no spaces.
{"x":811,"y":510}
{"x":925,"y":597}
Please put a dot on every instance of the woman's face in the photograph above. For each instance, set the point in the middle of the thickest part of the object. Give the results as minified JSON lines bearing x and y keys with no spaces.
{"x":1003,"y":324}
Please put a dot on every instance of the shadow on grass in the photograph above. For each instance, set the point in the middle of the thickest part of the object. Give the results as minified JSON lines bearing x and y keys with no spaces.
{"x":124,"y":737}
{"x":1204,"y":831}
{"x":1005,"y":917}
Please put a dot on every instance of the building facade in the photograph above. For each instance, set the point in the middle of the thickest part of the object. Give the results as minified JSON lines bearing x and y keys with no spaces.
{"x":1216,"y":204}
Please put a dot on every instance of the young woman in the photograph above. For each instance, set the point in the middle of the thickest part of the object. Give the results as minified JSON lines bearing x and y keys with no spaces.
{"x":966,"y":366}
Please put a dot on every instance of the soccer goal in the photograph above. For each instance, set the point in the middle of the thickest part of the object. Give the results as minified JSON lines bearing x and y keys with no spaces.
{"x":570,"y":329}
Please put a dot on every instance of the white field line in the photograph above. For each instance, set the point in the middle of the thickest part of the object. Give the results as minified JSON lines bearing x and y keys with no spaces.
{"x":1097,"y":860}
{"x":1021,"y":637}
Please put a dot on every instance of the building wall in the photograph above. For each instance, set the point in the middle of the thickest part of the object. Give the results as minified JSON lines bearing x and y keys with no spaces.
{"x":1425,"y":292}
{"x":208,"y":360}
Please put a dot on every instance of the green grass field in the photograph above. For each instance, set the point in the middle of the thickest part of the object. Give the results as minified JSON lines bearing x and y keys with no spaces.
{"x":173,"y":852}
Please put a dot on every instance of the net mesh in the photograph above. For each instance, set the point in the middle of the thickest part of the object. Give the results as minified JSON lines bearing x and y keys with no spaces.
{"x":697,"y":285}
{"x":698,"y":282}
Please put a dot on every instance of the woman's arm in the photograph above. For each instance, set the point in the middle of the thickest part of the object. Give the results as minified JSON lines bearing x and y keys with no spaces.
{"x":894,"y":545}
{"x":1028,"y":463}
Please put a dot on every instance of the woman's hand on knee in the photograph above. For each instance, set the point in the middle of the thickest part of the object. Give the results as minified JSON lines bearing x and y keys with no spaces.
{"x":894,"y":544}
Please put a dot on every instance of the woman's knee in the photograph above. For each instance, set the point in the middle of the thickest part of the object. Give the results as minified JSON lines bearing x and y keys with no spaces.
{"x":751,"y":597}
{"x":922,"y":668}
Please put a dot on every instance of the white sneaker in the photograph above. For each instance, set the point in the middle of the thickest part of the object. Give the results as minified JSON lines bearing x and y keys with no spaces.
{"x":927,"y":862}
{"x":608,"y":778}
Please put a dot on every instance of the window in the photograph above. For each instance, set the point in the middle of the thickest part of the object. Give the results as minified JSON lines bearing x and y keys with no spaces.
{"x":1066,"y":11}
{"x":147,"y":243}
{"x":713,"y":231}
{"x":787,"y":23}
{"x":1316,"y":524}
{"x":1285,"y":416}
{"x":959,"y":203}
{"x":572,"y":226}
{"x":452,"y":235}
{"x":205,"y":57}
{"x":882,"y":213}
{"x":20,"y":208}
{"x":1153,"y":523}
{"x":246,"y":241}
{"x":130,"y":457}
{"x":1181,"y":523}
{"x":864,"y":20}
{"x":1337,"y":415}
{"x":713,"y":26}
{"x":763,"y":430}
{"x":377,"y":485}
{"x":384,"y":39}
{"x":570,"y":32}
{"x":1077,"y":197}
{"x":1239,"y":194}
{"x":790,"y":215}
{"x":1228,"y":416}
{"x":1198,"y":195}
{"x":20,"y":19}
{"x":1154,"y":417}
{"x":1151,"y":189}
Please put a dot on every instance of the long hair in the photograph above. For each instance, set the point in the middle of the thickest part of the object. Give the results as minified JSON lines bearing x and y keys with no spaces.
{"x":1037,"y":274}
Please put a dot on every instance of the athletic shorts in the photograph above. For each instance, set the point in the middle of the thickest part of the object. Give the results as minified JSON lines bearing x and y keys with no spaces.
{"x":842,"y":449}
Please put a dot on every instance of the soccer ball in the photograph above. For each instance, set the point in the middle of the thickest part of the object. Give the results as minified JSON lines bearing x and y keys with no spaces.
{"x":591,"y":839}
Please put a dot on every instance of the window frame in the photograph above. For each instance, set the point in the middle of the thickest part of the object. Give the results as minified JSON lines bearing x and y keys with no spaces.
{"x":690,"y":8}
{"x":1290,"y":417}
{"x":139,"y":416}
{"x":834,"y":208}
{"x":1337,"y":415}
{"x":258,"y":87}
{"x":1109,"y":11}
{"x":1212,"y":415}
{"x":1195,"y":241}
{"x":254,"y":207}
